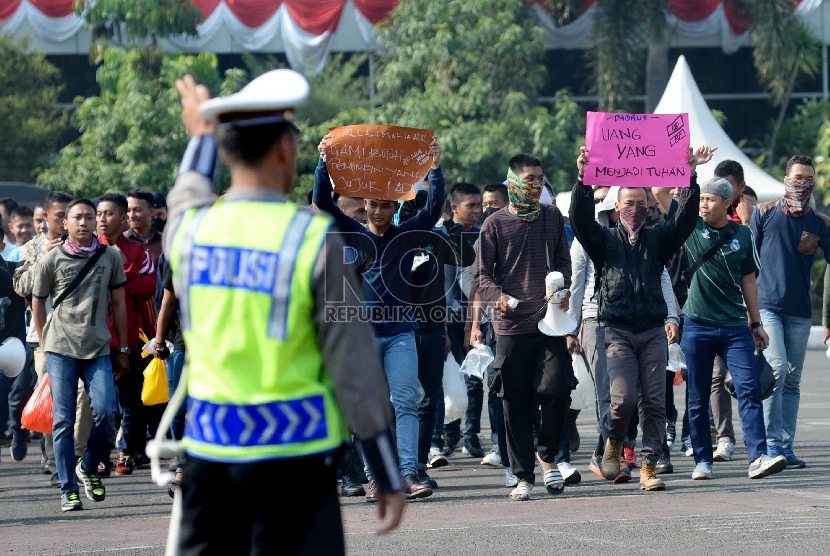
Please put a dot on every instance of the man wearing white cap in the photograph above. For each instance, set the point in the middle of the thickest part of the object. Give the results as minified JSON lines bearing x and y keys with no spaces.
{"x":269,"y":380}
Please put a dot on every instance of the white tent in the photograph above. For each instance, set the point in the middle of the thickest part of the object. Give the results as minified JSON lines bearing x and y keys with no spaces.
{"x":682,"y":95}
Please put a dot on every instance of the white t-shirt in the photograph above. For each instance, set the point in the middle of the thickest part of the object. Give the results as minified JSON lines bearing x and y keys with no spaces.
{"x":10,"y":246}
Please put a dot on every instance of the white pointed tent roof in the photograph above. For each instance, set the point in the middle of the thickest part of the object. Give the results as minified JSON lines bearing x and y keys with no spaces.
{"x":683,"y":95}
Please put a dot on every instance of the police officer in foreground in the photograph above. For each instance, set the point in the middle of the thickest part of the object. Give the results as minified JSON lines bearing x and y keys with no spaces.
{"x":269,"y":381}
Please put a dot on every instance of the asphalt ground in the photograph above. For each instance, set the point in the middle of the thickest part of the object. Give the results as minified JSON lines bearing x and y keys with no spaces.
{"x":470,"y":513}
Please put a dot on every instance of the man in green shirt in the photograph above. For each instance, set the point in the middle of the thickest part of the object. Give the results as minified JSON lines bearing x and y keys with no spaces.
{"x":716,"y":324}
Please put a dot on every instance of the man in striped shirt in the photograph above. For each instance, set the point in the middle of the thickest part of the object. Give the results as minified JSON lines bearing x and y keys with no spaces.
{"x":519,"y":245}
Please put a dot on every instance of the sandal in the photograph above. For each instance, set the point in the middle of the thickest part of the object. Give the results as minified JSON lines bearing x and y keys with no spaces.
{"x":521,"y":493}
{"x":554,"y":482}
{"x":175,"y":484}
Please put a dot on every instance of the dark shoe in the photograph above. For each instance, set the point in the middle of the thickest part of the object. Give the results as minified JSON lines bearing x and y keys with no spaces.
{"x":20,"y":445}
{"x":671,"y":434}
{"x":611,"y":459}
{"x":793,"y":461}
{"x":451,"y":441}
{"x":472,"y":447}
{"x":55,"y":481}
{"x":141,"y":461}
{"x":573,"y":432}
{"x":425,"y":479}
{"x":372,"y":492}
{"x":351,"y":488}
{"x":104,"y":468}
{"x":413,"y":489}
{"x":124,"y":465}
{"x":664,"y":465}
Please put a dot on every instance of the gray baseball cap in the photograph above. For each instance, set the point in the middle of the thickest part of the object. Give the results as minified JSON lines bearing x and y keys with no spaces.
{"x":717,"y":186}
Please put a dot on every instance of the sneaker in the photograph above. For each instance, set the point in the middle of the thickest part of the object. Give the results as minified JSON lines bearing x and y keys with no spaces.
{"x":594,"y":466}
{"x":792,"y":461}
{"x":436,"y":458}
{"x":451,"y":441}
{"x":510,"y":480}
{"x":55,"y":481}
{"x":664,"y":465}
{"x":124,"y":465}
{"x":71,"y":502}
{"x":725,"y":450}
{"x":630,"y":456}
{"x":350,"y":487}
{"x":93,"y":486}
{"x":105,"y":467}
{"x":371,"y":492}
{"x":766,"y":466}
{"x":472,"y":447}
{"x":493,"y":459}
{"x":141,"y":461}
{"x":425,"y":479}
{"x":569,"y":473}
{"x":671,"y":434}
{"x":688,"y":451}
{"x":649,"y":480}
{"x":703,"y":470}
{"x":625,"y":472}
{"x":20,"y":445}
{"x":413,"y":489}
{"x":611,"y":459}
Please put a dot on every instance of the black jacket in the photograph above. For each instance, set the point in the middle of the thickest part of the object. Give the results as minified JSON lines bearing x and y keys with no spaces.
{"x":630,"y":294}
{"x":12,"y":306}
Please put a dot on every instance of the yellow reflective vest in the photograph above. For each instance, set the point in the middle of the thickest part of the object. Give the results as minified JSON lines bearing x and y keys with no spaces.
{"x":257,"y":387}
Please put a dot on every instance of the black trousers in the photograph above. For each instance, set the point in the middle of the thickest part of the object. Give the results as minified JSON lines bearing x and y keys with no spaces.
{"x":533,"y":370}
{"x":242,"y":508}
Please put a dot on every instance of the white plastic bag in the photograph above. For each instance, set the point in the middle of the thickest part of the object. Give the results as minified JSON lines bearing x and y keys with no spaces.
{"x":455,"y":392}
{"x":677,"y":359}
{"x":584,"y":395}
{"x":477,"y":360}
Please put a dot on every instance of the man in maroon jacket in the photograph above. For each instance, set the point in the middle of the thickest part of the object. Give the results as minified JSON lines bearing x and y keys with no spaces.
{"x":140,"y":288}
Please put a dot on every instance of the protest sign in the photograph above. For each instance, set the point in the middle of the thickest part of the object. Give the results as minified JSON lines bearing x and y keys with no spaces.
{"x":378,"y":161}
{"x":637,"y":150}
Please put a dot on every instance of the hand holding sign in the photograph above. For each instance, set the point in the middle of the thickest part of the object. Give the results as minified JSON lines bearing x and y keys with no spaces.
{"x":379,"y":162}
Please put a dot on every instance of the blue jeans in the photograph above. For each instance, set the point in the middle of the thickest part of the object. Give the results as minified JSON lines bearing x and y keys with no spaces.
{"x":175,"y":365}
{"x":787,"y":349}
{"x":64,"y":373}
{"x":400,"y":362}
{"x":701,"y":343}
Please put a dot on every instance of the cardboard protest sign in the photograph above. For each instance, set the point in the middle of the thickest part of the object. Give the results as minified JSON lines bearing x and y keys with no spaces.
{"x":378,"y":161}
{"x":637,"y":150}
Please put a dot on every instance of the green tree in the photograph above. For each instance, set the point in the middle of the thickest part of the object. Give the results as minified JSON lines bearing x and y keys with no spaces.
{"x":135,"y":22}
{"x":131,"y":134}
{"x":470,"y":70}
{"x":30,"y":124}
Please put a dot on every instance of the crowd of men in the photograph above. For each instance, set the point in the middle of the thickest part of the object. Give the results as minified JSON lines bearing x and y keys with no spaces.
{"x":704,"y":266}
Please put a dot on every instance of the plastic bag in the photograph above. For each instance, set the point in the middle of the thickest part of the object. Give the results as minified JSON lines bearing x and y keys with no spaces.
{"x":155,"y":390}
{"x":584,"y":395}
{"x":37,"y":415}
{"x":677,"y":364}
{"x":477,"y":360}
{"x":455,"y":391}
{"x":766,"y":378}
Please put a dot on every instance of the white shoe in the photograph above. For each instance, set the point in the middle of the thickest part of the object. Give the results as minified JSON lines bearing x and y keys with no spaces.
{"x":510,"y":480}
{"x":493,"y":459}
{"x":569,"y":473}
{"x":725,"y":450}
{"x":436,"y":458}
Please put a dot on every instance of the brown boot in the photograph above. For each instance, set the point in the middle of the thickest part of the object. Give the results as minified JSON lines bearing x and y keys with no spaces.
{"x":625,"y":472}
{"x":611,"y":459}
{"x":413,"y":489}
{"x":648,"y":477}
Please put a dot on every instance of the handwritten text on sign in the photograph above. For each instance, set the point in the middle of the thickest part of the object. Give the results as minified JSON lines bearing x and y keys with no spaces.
{"x":637,"y":150}
{"x":378,"y":161}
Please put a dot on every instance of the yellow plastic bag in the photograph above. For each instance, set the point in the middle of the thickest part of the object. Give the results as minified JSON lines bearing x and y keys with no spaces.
{"x":155,"y":391}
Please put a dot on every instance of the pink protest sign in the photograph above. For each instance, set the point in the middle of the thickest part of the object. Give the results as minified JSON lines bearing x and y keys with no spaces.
{"x":637,"y":150}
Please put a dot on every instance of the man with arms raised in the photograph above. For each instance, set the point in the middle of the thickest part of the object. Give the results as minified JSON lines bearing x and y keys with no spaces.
{"x":630,"y":260}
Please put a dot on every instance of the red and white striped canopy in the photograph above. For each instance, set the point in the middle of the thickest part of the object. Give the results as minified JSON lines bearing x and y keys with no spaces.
{"x":306,"y":27}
